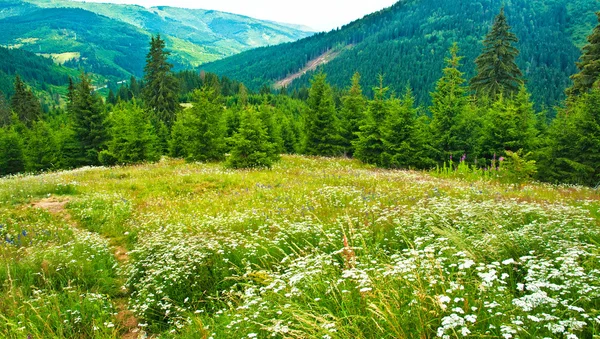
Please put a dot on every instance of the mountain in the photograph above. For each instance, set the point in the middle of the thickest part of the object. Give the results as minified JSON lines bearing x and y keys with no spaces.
{"x":409,"y":41}
{"x":39,"y":72}
{"x":112,"y":40}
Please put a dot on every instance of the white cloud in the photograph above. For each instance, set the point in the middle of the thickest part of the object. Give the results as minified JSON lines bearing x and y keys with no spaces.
{"x":318,"y":14}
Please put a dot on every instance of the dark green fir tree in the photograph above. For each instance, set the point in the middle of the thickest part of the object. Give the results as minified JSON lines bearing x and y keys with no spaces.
{"x":251,"y":147}
{"x":352,"y":114}
{"x":322,"y":126}
{"x":24,"y":103}
{"x":88,"y":122}
{"x":589,"y":64}
{"x":12,"y":160}
{"x":449,"y":102}
{"x":497,"y":71}
{"x":369,"y":145}
{"x":161,"y":87}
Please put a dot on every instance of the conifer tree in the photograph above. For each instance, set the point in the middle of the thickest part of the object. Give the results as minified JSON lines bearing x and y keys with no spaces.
{"x":41,"y":150}
{"x":5,"y":111}
{"x":510,"y":126}
{"x":497,"y":72}
{"x":397,"y":132}
{"x":267,"y":115}
{"x":134,"y":87}
{"x":251,"y":147}
{"x":12,"y":160}
{"x":322,"y":126}
{"x":589,"y":64}
{"x":369,"y":145}
{"x":88,"y":122}
{"x":449,"y":102}
{"x":352,"y":114}
{"x":24,"y":103}
{"x":199,"y":132}
{"x":133,"y":137}
{"x":574,"y":152}
{"x":161,"y":87}
{"x":111,"y":98}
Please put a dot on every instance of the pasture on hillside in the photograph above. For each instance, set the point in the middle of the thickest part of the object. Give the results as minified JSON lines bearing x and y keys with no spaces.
{"x":313,"y":248}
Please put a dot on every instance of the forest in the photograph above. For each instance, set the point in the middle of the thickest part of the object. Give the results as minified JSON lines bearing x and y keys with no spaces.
{"x":408,"y":42}
{"x":480,"y":124}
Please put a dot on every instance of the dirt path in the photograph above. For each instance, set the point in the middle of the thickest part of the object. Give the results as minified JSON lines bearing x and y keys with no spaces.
{"x":125,"y":317}
{"x":310,"y":66}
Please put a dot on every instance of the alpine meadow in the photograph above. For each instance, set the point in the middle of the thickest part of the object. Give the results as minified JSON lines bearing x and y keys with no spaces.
{"x":431,"y":170}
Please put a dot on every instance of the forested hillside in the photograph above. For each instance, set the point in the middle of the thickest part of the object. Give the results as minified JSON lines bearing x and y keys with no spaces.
{"x":110,"y":39}
{"x":408,"y":42}
{"x":38,"y":71}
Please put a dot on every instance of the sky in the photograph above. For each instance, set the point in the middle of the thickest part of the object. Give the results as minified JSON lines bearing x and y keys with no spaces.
{"x":320,"y":15}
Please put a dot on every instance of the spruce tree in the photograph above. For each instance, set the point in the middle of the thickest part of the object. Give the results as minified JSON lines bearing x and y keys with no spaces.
{"x":369,"y":145}
{"x":161,"y":87}
{"x":24,"y":103}
{"x":510,"y":126}
{"x":574,"y":153}
{"x":134,"y":87}
{"x":5,"y":111}
{"x":352,"y":114}
{"x":88,"y":122}
{"x":41,"y":150}
{"x":267,"y":115}
{"x":589,"y":64}
{"x":12,"y":160}
{"x":449,"y":102}
{"x":397,"y":132}
{"x":199,"y":132}
{"x":133,"y":137}
{"x":497,"y":72}
{"x":251,"y":147}
{"x":322,"y":127}
{"x":111,"y":98}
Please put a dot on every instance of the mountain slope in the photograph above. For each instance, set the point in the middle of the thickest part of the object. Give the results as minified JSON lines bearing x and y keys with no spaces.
{"x":38,"y":72}
{"x":409,"y":41}
{"x":112,"y":39}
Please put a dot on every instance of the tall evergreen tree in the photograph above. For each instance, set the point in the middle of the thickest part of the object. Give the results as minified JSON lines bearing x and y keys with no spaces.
{"x":5,"y":111}
{"x":397,"y":133}
{"x":161,"y":87}
{"x":111,"y":98}
{"x":251,"y":147}
{"x":352,"y":114}
{"x":574,"y":150}
{"x":199,"y":132}
{"x":89,"y":122}
{"x":134,"y":87}
{"x":12,"y":160}
{"x":497,"y":72}
{"x":589,"y":64}
{"x":510,"y":126}
{"x":24,"y":103}
{"x":449,"y":102}
{"x":322,"y":126}
{"x":133,"y":136}
{"x":369,"y":145}
{"x":41,"y":150}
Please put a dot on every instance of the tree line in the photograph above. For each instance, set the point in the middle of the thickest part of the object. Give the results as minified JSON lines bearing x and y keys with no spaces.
{"x":479,"y":122}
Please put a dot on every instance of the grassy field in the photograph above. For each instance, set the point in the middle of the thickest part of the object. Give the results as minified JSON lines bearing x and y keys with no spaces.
{"x":314,"y":248}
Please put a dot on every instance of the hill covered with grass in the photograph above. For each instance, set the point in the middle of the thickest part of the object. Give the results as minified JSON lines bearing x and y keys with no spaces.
{"x":111,"y":40}
{"x":314,"y":248}
{"x":408,"y":42}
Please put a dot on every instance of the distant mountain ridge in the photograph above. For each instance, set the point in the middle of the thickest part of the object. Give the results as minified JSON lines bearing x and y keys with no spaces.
{"x":112,"y":39}
{"x":409,"y":41}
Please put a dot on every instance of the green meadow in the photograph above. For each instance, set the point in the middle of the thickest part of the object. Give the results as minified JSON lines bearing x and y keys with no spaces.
{"x":313,"y":248}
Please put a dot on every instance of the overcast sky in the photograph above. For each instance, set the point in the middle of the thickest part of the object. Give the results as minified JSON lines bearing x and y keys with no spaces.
{"x":321,"y":15}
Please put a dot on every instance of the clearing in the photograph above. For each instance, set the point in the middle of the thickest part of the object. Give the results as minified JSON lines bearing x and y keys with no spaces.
{"x":311,"y":66}
{"x":313,"y":248}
